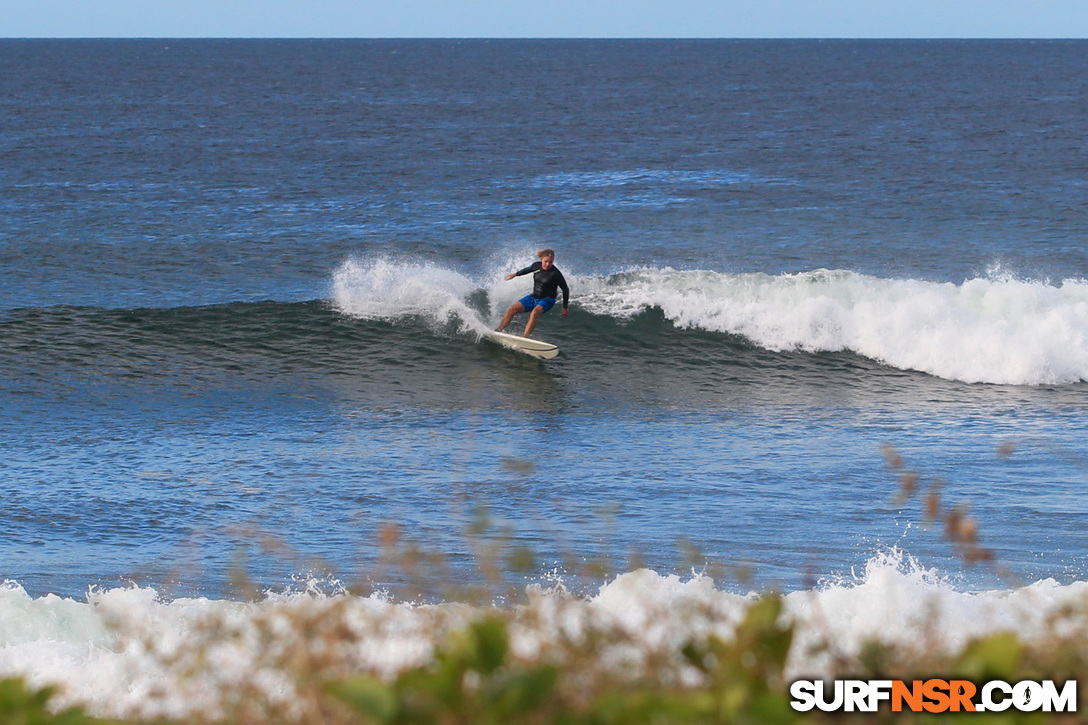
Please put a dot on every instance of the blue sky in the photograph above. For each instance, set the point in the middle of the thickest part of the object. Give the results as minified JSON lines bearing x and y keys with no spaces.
{"x":546,"y":18}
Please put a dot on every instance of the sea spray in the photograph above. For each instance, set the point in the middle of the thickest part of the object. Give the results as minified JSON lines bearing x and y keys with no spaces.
{"x":390,"y":289}
{"x":381,"y":289}
{"x":128,"y":652}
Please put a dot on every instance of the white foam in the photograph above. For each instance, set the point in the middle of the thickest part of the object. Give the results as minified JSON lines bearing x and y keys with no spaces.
{"x":392,"y":290}
{"x":896,"y":601}
{"x":994,"y":330}
{"x":997,"y":329}
{"x":127,"y":653}
{"x":604,"y":179}
{"x":384,"y":289}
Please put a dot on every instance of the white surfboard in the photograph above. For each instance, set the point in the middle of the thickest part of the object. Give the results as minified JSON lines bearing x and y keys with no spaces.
{"x":527,"y":345}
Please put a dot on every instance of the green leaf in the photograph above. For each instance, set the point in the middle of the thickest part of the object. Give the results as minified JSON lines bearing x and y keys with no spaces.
{"x":367,"y":696}
{"x":490,"y":645}
{"x":30,"y":707}
{"x":760,"y":635}
{"x":993,"y":657}
{"x":527,"y":691}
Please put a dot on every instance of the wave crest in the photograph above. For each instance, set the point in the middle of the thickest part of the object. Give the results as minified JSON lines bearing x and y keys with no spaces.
{"x":1000,"y":330}
{"x":997,"y":329}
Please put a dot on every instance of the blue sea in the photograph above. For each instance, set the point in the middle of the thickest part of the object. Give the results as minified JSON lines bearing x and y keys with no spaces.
{"x":244,"y":286}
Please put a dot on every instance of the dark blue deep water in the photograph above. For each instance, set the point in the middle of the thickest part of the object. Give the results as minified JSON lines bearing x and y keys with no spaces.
{"x":242,"y":286}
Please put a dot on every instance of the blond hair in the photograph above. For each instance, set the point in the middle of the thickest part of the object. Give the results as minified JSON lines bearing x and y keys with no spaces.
{"x":546,"y":253}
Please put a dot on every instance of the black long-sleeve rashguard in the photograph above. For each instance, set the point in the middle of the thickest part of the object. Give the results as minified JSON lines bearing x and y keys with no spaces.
{"x":546,"y":282}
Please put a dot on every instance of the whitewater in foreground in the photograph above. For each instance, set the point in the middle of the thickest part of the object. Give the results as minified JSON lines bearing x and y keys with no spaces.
{"x":126,"y":652}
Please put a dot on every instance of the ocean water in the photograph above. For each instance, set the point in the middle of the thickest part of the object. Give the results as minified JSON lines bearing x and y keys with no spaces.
{"x":243,"y":286}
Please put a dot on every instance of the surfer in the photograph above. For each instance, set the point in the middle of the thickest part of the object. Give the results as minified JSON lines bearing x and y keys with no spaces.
{"x":547,"y":279}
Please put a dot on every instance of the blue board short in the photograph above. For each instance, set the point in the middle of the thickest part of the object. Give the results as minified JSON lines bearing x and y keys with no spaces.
{"x":529,"y":302}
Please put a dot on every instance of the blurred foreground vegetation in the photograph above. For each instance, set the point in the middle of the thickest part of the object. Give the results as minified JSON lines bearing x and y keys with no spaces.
{"x":475,"y":677}
{"x":478,"y":673}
